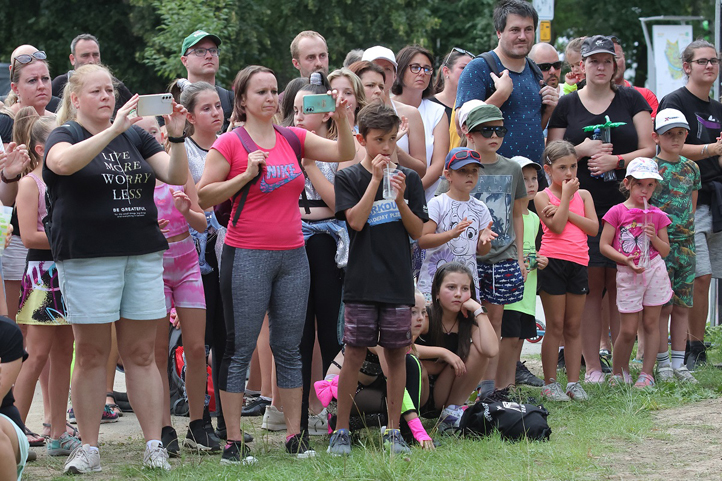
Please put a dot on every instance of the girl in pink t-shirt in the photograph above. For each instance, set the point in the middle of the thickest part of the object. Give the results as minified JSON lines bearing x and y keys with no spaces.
{"x":568,"y":217}
{"x":635,"y":237}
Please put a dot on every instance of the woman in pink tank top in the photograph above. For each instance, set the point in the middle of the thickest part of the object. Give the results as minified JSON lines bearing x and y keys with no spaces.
{"x":568,"y":217}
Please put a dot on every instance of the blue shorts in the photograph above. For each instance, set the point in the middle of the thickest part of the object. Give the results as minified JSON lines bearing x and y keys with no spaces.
{"x":500,"y":283}
{"x":101,"y":290}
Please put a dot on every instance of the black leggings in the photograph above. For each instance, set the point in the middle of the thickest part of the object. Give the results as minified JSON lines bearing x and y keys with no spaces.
{"x":215,"y":324}
{"x":324,"y":302}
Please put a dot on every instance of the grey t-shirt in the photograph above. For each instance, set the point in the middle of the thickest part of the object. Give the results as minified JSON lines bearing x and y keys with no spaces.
{"x":500,"y":184}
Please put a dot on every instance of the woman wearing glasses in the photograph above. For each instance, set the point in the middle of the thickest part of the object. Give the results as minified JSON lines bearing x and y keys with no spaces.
{"x":598,"y":100}
{"x":703,"y":145}
{"x":412,"y":86}
{"x":447,"y":81}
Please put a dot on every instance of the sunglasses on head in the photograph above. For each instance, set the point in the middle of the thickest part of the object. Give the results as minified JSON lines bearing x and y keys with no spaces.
{"x":26,"y":59}
{"x":487,"y":132}
{"x":545,"y":67}
{"x":458,"y":50}
{"x":462,"y":155}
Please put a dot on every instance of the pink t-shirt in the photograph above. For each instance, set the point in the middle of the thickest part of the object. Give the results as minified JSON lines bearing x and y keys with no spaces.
{"x":629,"y":237}
{"x":270,"y":219}
{"x":571,"y":244}
{"x":163,"y":197}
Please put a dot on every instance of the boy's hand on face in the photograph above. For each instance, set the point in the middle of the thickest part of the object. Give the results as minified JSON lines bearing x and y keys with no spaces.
{"x":378,"y":165}
{"x":398,"y":183}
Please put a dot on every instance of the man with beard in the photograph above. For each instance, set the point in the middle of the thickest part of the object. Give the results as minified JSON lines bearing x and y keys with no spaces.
{"x":547,"y":59}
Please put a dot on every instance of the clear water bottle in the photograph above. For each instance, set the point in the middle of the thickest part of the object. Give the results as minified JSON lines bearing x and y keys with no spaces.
{"x":389,"y":192}
{"x":604,"y":136}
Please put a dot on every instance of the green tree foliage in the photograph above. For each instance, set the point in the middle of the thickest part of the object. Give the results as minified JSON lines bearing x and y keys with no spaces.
{"x":466,"y":24}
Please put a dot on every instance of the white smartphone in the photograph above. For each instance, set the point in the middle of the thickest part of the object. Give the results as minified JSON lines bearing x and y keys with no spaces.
{"x":156,"y":104}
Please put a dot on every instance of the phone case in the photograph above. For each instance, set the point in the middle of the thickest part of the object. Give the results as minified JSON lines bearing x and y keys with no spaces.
{"x":317,"y":104}
{"x":156,"y":104}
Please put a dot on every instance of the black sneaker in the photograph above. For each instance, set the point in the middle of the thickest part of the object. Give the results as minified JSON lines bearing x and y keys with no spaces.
{"x":394,"y":442}
{"x":561,"y":365}
{"x":606,"y":363}
{"x":237,"y":452}
{"x":697,"y":355}
{"x":257,"y":407}
{"x":298,"y":446}
{"x":169,"y":438}
{"x":201,"y":439}
{"x":498,"y":396}
{"x":524,"y":376}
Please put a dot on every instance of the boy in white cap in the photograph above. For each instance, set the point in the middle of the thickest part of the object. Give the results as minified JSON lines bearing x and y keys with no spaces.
{"x":677,"y":197}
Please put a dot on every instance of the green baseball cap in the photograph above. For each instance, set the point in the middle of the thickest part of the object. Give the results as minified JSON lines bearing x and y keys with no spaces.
{"x":482,"y":114}
{"x":196,"y":37}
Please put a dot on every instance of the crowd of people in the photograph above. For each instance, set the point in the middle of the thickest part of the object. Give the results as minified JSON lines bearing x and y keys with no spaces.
{"x":374,"y":263}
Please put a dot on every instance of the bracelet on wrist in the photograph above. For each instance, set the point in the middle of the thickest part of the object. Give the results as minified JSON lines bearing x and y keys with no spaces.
{"x":9,"y":181}
{"x":620,"y":162}
{"x":177,"y":140}
{"x":479,"y":311}
{"x":705,"y":149}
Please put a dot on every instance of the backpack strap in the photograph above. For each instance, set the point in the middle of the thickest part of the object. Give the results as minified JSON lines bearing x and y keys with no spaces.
{"x":295,"y":144}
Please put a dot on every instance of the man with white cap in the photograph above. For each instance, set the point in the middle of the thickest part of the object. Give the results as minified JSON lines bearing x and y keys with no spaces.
{"x":411,"y":148}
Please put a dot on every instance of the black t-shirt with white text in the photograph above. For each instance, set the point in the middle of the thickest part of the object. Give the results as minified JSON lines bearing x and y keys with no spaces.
{"x":379,"y":261}
{"x":705,"y":124}
{"x":105,"y":209}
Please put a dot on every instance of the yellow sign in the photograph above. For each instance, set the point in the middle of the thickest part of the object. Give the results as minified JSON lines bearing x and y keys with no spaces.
{"x":545,"y":31}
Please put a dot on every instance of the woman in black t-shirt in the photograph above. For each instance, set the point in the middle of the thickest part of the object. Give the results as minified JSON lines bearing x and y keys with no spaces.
{"x":103,"y":230}
{"x":589,"y":106}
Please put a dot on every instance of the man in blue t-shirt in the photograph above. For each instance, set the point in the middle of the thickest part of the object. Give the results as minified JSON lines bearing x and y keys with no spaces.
{"x":526,"y":105}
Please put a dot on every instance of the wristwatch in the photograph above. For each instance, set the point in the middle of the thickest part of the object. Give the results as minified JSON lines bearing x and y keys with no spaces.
{"x":620,"y":162}
{"x":478,"y":311}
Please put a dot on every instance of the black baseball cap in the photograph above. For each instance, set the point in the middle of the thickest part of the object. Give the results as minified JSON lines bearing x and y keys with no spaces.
{"x":597,"y":44}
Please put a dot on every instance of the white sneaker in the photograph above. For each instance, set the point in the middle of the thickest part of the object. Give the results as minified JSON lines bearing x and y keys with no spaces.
{"x":156,"y":458}
{"x":665,"y":374}
{"x":273,"y":420}
{"x":683,"y":375}
{"x":83,"y":460}
{"x":318,"y":423}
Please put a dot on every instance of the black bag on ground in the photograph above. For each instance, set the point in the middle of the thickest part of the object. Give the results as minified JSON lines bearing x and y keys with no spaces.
{"x":514,"y":421}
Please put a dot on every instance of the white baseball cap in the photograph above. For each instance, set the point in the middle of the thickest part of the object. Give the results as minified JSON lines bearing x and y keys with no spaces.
{"x":462,"y":113}
{"x":643,"y":168}
{"x":668,"y":119}
{"x":379,"y":52}
{"x":523,"y":162}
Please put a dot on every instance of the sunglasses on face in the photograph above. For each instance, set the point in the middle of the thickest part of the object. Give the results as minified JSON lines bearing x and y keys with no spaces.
{"x":545,"y":67}
{"x":458,"y":50}
{"x":704,"y":61}
{"x":25,"y":59}
{"x":416,"y":68}
{"x":462,"y":155}
{"x":487,"y":132}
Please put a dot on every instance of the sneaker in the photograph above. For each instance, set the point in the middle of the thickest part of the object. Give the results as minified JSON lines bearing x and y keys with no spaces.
{"x":497,"y":396}
{"x":644,"y":380}
{"x":553,"y":392}
{"x":156,"y":458}
{"x":524,"y":376}
{"x":561,"y":363}
{"x":169,"y":438}
{"x":256,"y":407}
{"x":199,"y":438}
{"x":697,"y":355}
{"x":318,"y":423}
{"x":605,"y":354}
{"x":616,"y":380}
{"x":683,"y":375}
{"x":83,"y":460}
{"x":666,"y":374}
{"x":108,"y":415}
{"x":298,"y":446}
{"x":235,"y":453}
{"x":394,"y":442}
{"x":340,"y":443}
{"x":273,"y":420}
{"x":576,"y":392}
{"x":594,"y":377}
{"x":62,"y":446}
{"x":605,"y":362}
{"x":71,"y":416}
{"x":451,"y":416}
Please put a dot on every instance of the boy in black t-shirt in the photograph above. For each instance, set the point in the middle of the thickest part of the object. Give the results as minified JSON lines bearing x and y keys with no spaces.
{"x":379,"y":286}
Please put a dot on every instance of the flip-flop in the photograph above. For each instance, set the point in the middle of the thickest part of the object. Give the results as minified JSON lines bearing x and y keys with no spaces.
{"x":34,"y":439}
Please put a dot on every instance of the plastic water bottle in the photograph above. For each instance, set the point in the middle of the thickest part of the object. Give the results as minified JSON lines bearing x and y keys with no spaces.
{"x":315,"y":78}
{"x":389,"y":193}
{"x":609,"y":176}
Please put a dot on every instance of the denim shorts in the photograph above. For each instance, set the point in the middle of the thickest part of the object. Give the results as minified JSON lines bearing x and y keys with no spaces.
{"x":104,"y":289}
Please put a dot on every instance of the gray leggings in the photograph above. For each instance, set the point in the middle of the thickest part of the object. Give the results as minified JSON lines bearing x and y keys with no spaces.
{"x":254,"y":282}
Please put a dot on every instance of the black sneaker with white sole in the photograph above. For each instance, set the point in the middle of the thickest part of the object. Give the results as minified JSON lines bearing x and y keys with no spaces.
{"x":524,"y":376}
{"x":298,"y":446}
{"x":199,"y":438}
{"x":236,"y":452}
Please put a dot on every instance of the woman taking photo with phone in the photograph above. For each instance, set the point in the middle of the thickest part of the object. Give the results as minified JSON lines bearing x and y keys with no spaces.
{"x":103,"y":228}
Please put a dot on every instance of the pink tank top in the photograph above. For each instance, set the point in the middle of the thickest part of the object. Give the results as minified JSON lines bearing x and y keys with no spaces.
{"x":571,"y":244}
{"x":42,"y":208}
{"x":163,"y":197}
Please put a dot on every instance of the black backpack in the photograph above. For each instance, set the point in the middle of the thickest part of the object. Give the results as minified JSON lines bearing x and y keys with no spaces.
{"x":514,"y":421}
{"x":494,"y":67}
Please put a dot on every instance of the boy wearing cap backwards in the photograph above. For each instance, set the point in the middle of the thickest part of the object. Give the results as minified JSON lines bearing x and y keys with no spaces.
{"x":680,"y":182}
{"x":379,"y":285}
{"x":518,"y":321}
{"x":459,"y":226}
{"x":501,"y":187}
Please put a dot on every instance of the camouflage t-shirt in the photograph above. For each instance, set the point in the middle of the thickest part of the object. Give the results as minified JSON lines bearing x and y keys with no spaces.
{"x":674,"y":196}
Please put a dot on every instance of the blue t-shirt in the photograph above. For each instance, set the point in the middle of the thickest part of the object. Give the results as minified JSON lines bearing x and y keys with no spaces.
{"x":522,"y":110}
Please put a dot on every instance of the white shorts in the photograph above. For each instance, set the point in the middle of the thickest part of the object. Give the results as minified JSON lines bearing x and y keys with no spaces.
{"x":650,"y":288}
{"x":104,"y":289}
{"x":14,"y":258}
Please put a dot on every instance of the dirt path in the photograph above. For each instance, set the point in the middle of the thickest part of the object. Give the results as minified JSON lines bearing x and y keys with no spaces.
{"x":686,"y":444}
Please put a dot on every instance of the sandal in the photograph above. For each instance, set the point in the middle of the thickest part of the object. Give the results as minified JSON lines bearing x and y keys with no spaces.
{"x":69,"y":428}
{"x":34,"y":439}
{"x":113,"y":406}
